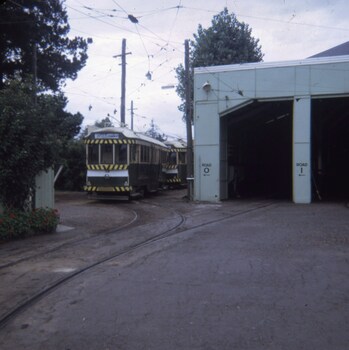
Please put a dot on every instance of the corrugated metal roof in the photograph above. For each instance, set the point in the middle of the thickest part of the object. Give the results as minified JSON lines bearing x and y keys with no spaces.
{"x":264,"y":65}
{"x":335,"y":54}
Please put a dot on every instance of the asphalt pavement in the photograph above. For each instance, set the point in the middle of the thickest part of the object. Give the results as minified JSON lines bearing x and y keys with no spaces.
{"x":272,"y":277}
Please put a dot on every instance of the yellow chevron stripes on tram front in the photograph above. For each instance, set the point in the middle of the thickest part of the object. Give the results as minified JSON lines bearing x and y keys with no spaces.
{"x":177,"y":150}
{"x":107,"y":166}
{"x":174,"y":180}
{"x":171,"y":166}
{"x":116,"y":189}
{"x":110,"y":141}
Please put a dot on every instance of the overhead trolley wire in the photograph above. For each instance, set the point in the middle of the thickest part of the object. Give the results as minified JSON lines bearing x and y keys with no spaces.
{"x":134,"y":20}
{"x":119,"y":6}
{"x":100,"y":20}
{"x":175,"y":20}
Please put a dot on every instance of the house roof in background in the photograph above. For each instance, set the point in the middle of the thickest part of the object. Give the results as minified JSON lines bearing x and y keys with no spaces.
{"x":340,"y":50}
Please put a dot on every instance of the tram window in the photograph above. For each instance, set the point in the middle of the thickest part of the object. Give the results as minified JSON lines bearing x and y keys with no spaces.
{"x":106,"y":154}
{"x":145,"y":154}
{"x":120,"y":154}
{"x":156,"y":156}
{"x":172,"y":158}
{"x":181,"y":158}
{"x":133,"y":153}
{"x":92,"y":152}
{"x":163,"y":156}
{"x":153,"y":155}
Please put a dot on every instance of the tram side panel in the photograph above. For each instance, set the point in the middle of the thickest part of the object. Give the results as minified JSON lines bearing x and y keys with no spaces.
{"x":145,"y":171}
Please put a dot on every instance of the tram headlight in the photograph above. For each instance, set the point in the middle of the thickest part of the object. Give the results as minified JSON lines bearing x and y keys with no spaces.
{"x":88,"y":183}
{"x":126,"y":183}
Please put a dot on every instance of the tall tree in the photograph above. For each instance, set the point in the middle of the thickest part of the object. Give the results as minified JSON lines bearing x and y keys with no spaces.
{"x":32,"y":134}
{"x":104,"y":123}
{"x":34,"y":126}
{"x":73,"y":175}
{"x":155,"y":133}
{"x":227,"y":41}
{"x":34,"y":32}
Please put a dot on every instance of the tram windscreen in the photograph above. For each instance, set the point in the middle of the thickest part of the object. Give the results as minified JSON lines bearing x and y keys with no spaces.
{"x":92,"y":152}
{"x":172,"y":158}
{"x":106,"y":154}
{"x":120,"y":154}
{"x":181,"y":158}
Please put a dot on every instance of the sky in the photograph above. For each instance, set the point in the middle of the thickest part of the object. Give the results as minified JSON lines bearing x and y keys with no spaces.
{"x":286,"y":29}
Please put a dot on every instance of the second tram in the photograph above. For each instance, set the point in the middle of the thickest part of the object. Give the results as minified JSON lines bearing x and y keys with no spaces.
{"x":176,"y":166}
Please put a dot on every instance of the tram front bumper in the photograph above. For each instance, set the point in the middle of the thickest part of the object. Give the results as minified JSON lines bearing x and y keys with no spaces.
{"x":110,"y":189}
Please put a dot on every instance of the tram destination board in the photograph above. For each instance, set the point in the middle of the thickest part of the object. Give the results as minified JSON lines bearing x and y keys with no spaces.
{"x":106,"y":136}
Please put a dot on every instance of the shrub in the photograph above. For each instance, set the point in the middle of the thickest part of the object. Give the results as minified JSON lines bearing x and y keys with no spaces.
{"x":18,"y":224}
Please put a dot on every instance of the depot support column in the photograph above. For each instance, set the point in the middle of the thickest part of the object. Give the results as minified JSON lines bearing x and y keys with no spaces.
{"x":302,"y":150}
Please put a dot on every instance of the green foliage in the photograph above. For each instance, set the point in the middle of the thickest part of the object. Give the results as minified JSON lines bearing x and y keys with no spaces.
{"x":41,"y":26}
{"x":104,"y":123}
{"x":73,"y":175}
{"x":43,"y":220}
{"x":18,"y":224}
{"x":227,"y":41}
{"x":154,"y":132}
{"x":34,"y":126}
{"x":32,"y":135}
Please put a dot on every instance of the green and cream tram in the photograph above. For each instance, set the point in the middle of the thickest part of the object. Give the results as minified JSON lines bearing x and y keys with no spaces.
{"x":176,"y":166}
{"x":122,"y":163}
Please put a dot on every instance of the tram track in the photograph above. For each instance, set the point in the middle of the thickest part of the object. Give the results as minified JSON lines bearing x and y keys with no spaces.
{"x":45,"y":289}
{"x":177,"y":228}
{"x":135,"y":220}
{"x":95,"y":236}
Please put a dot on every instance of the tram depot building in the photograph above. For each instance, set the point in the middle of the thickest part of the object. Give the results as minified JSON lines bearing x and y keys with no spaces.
{"x":273,"y":130}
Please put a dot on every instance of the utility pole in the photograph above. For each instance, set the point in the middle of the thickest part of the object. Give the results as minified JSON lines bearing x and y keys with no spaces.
{"x":132,"y":114}
{"x":190,"y":165}
{"x":35,"y":71}
{"x":123,"y":80}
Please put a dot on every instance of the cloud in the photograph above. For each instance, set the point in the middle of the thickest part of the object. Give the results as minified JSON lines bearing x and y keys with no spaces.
{"x":287,"y":30}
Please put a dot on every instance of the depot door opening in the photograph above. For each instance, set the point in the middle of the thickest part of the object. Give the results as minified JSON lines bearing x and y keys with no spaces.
{"x":259,"y":150}
{"x":330,"y":148}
